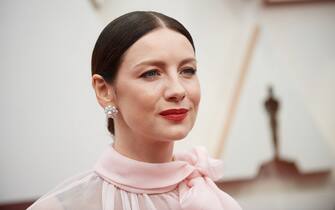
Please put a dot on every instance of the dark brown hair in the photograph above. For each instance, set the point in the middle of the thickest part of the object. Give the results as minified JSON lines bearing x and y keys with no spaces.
{"x":122,"y":33}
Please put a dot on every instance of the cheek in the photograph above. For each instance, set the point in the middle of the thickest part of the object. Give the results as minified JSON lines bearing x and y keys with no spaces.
{"x":194,"y":93}
{"x":138,"y":106}
{"x":136,"y":100}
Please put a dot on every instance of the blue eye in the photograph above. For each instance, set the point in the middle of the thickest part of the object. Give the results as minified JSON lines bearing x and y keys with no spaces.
{"x":150,"y":74}
{"x":189,"y":72}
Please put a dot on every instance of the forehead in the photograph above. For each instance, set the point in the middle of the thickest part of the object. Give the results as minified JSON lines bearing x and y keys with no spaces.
{"x":161,"y":44}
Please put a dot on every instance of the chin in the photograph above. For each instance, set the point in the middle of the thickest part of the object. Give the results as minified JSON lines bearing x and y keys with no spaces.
{"x":178,"y":138}
{"x":176,"y":135}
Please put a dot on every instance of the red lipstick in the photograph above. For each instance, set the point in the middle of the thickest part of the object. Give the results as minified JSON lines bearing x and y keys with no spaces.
{"x":174,"y":114}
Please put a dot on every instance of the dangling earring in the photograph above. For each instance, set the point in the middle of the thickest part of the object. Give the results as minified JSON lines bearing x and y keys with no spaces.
{"x":111,"y":111}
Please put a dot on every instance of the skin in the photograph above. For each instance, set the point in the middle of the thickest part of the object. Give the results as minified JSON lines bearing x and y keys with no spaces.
{"x":156,"y":74}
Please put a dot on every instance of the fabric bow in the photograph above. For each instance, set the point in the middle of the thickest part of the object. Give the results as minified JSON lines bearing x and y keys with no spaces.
{"x":198,"y":191}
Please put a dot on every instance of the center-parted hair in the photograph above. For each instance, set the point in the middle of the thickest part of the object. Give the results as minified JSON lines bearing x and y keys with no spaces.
{"x":120,"y":34}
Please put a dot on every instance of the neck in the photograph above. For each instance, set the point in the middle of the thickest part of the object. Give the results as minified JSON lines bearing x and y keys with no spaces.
{"x":143,"y":148}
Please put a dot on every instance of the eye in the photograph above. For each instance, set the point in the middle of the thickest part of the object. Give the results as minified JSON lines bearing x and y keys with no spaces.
{"x":189,"y":72}
{"x":150,"y":74}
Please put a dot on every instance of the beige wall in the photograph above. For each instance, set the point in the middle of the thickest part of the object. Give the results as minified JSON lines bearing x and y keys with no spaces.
{"x":47,"y":101}
{"x":295,"y":53}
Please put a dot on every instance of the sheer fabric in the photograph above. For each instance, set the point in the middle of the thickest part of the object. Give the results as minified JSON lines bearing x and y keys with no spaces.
{"x":120,"y":183}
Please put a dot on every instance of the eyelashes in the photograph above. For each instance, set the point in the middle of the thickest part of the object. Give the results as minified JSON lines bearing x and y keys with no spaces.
{"x":153,"y":73}
{"x":150,"y":74}
{"x":189,"y":71}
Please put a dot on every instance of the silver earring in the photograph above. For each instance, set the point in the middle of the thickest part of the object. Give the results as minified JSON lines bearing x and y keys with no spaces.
{"x":111,"y":111}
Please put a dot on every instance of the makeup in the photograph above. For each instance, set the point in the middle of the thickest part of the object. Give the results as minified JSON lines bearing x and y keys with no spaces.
{"x":176,"y":115}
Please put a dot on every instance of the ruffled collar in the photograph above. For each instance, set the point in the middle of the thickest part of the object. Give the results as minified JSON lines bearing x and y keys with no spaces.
{"x":192,"y":174}
{"x":142,"y":177}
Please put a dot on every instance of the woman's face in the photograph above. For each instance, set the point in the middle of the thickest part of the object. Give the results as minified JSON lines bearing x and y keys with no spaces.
{"x":157,"y":74}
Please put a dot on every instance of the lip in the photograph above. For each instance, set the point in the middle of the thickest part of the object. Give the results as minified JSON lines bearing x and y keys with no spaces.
{"x":174,"y":111}
{"x":174,"y":114}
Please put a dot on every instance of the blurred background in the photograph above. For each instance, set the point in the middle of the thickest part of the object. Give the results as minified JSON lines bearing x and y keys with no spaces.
{"x":267,"y":73}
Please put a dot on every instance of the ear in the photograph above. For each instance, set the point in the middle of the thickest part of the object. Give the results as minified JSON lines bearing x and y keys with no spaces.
{"x":104,"y":92}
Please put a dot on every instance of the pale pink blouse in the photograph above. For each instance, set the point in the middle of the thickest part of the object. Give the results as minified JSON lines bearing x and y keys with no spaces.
{"x":120,"y":183}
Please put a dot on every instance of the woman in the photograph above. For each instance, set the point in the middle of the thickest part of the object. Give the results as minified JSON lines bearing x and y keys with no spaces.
{"x":144,"y":76}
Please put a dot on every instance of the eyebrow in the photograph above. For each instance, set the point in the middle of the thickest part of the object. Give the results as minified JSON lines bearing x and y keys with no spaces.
{"x":162,"y":63}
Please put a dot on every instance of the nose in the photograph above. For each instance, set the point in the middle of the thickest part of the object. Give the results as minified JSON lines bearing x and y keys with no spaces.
{"x":175,"y":91}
